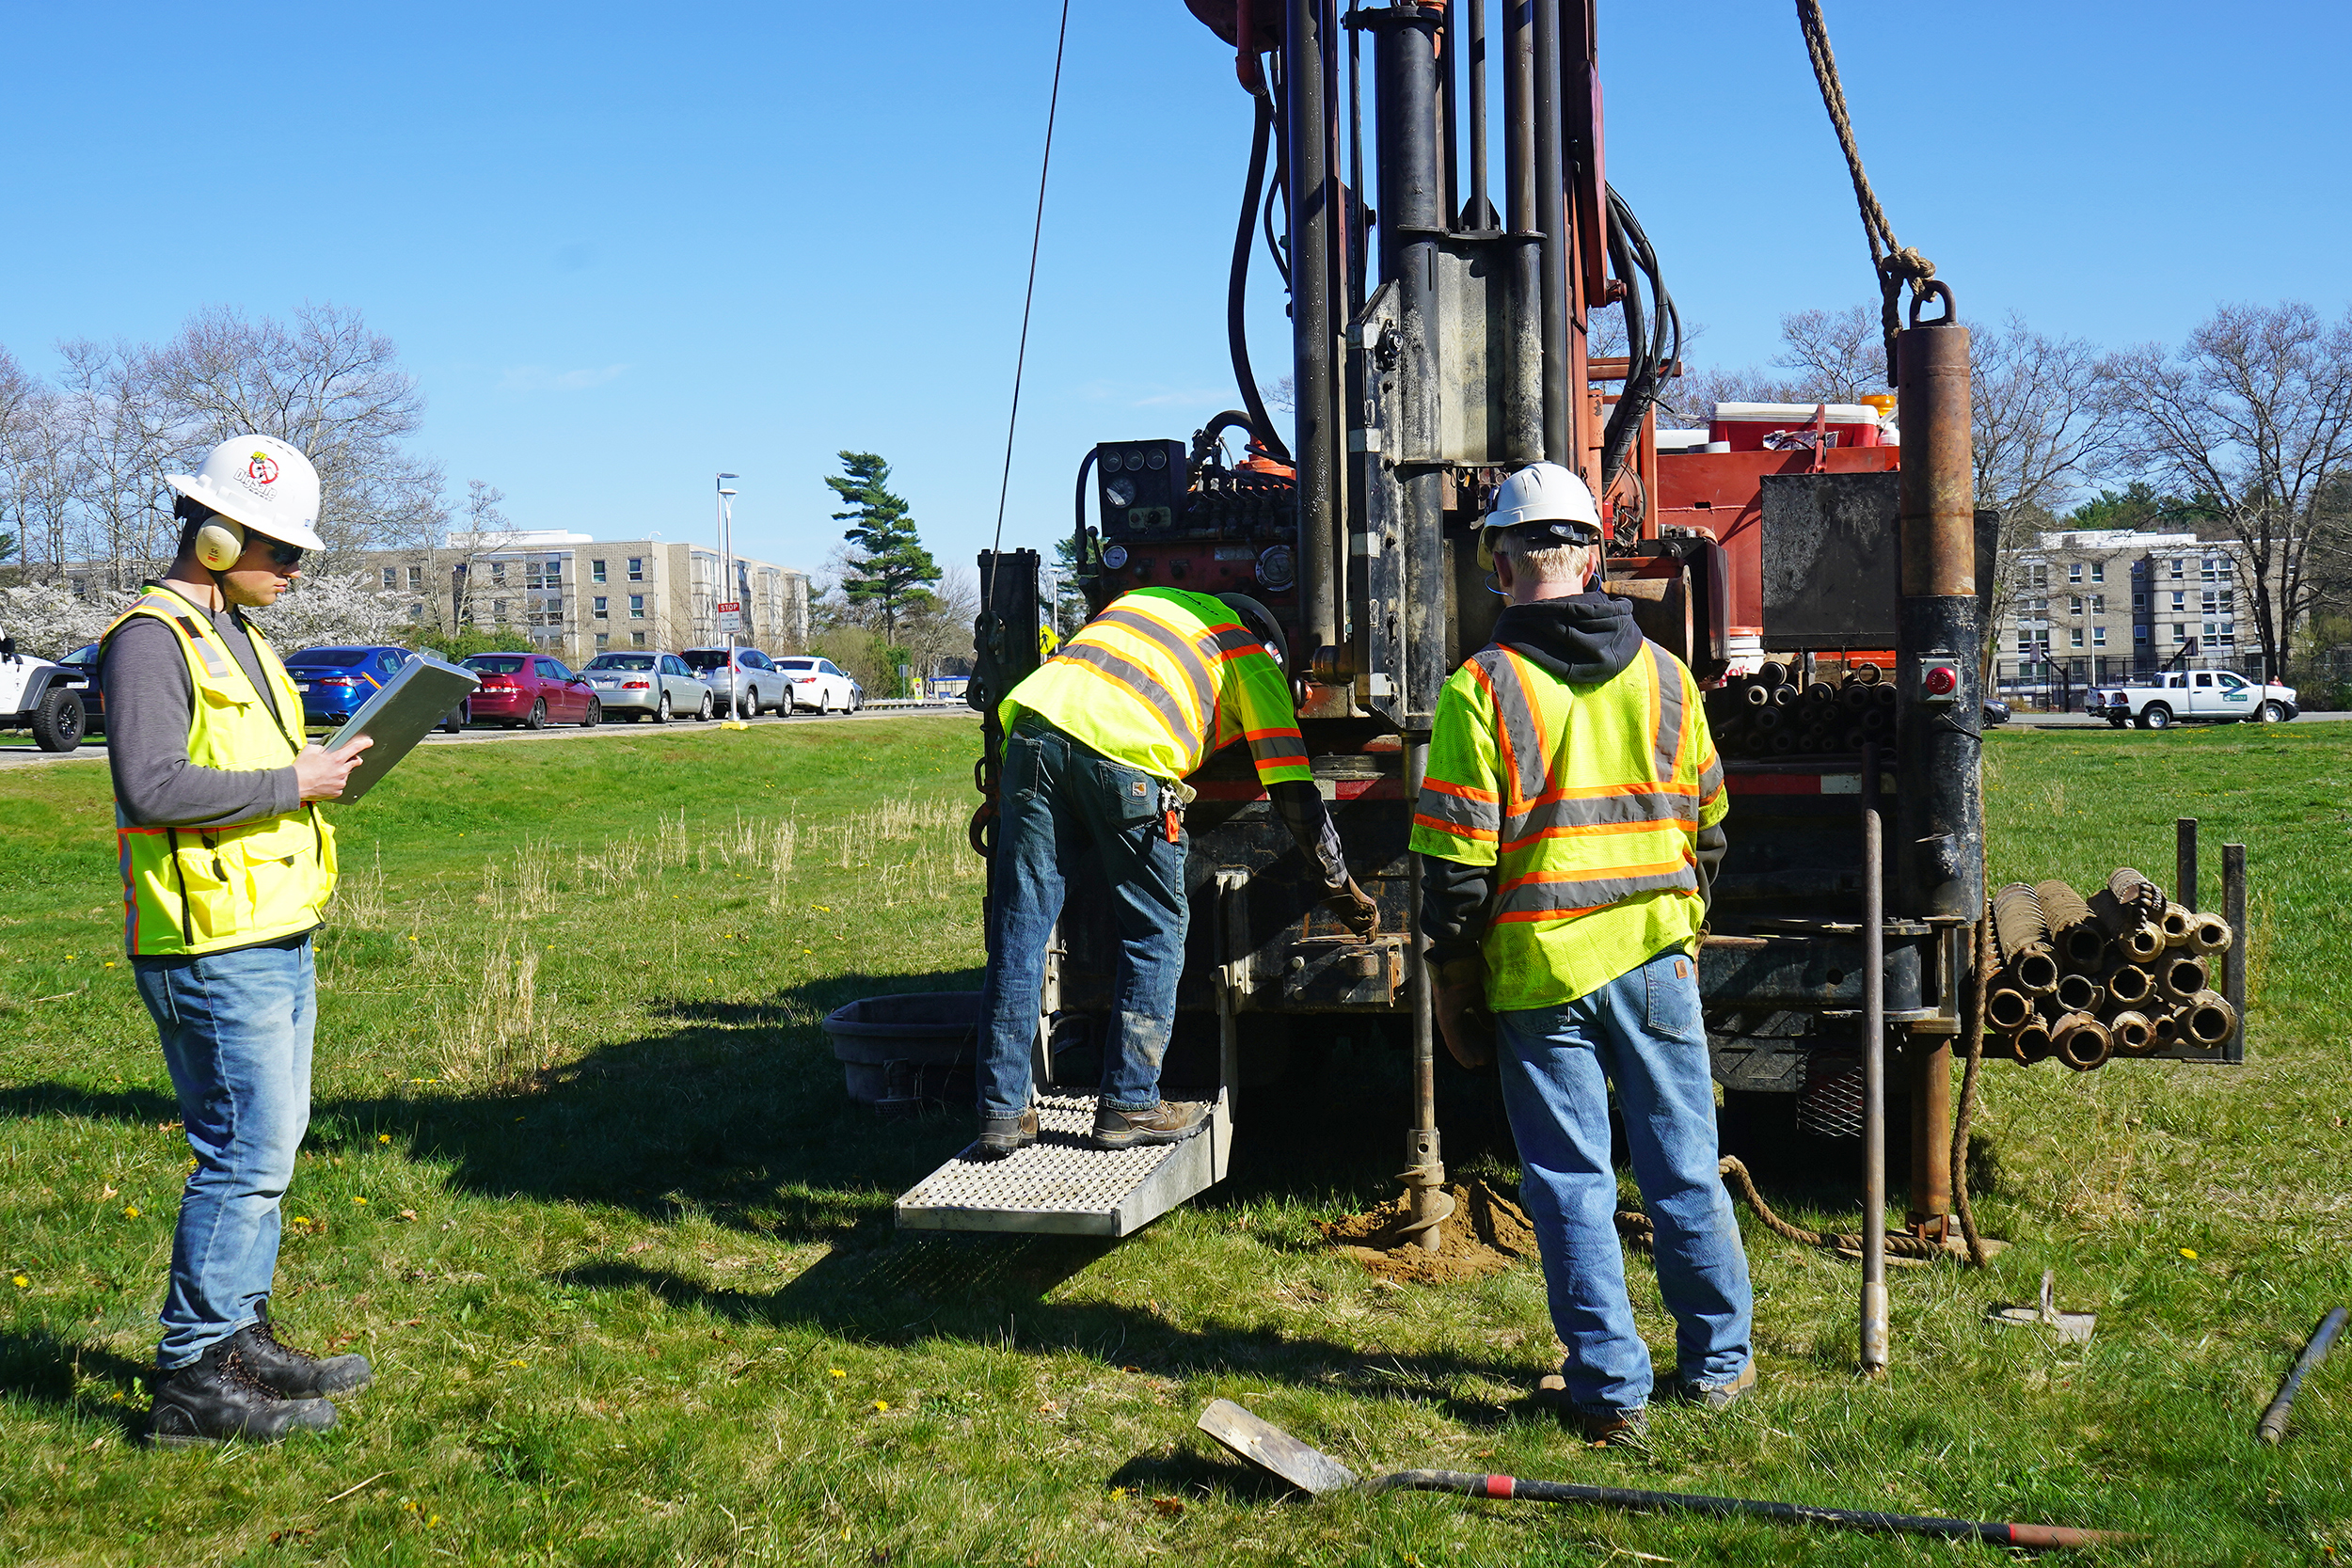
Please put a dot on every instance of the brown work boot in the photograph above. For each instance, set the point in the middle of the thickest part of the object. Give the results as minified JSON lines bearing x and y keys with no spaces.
{"x":1003,"y":1135}
{"x":1170,"y":1122}
{"x":1601,"y":1428}
{"x":1717,"y":1395}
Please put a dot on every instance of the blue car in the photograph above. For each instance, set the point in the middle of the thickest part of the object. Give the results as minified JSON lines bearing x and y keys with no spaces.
{"x":335,"y":681}
{"x":85,"y":659}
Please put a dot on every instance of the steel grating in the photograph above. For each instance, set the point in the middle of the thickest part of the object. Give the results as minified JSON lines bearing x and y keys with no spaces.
{"x":1830,"y":1100}
{"x":1062,"y":1185}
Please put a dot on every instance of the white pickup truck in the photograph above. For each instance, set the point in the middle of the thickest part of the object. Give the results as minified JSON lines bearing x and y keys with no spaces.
{"x":2192,"y":697}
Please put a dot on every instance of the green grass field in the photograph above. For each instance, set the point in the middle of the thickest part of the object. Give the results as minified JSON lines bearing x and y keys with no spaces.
{"x":583,"y":1183}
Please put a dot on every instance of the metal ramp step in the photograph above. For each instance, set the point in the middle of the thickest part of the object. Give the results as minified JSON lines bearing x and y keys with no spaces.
{"x":1061,"y":1186}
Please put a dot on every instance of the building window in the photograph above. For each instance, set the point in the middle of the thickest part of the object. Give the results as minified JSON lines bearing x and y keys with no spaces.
{"x":2075,"y":603}
{"x":416,"y":578}
{"x":2176,"y":567}
{"x":498,"y":570}
{"x":2038,"y":575}
{"x":596,"y":570}
{"x":2098,"y":604}
{"x":637,"y":640}
{"x":416,"y":612}
{"x":604,"y":640}
{"x":2180,"y":631}
{"x":2139,"y":603}
{"x":391,"y":579}
{"x":2025,"y":641}
{"x":2074,"y":571}
{"x":637,"y":606}
{"x":498,"y":610}
{"x":2098,"y":571}
{"x":2139,"y":634}
{"x":636,"y":568}
{"x":2180,"y":601}
{"x":600,"y":603}
{"x":2098,"y":637}
{"x":2074,"y":638}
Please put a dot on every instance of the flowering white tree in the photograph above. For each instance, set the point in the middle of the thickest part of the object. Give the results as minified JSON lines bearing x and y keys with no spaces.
{"x":333,"y":609}
{"x":49,"y":620}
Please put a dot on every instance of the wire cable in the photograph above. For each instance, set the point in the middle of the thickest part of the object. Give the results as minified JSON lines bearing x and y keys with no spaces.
{"x":1028,"y":298}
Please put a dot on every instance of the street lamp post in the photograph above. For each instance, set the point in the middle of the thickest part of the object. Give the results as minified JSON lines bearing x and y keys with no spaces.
{"x":726,"y":582}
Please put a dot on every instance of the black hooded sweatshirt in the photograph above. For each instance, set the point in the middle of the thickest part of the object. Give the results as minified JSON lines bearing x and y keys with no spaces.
{"x":1584,"y":640}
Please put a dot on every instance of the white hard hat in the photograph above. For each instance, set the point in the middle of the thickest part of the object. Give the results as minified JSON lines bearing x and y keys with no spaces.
{"x":262,"y":483}
{"x":1538,"y":494}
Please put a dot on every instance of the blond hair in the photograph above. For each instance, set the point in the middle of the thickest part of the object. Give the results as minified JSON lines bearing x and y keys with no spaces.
{"x":1550,"y":563}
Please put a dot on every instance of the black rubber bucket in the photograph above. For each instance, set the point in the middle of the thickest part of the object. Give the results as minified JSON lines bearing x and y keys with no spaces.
{"x":903,"y":1054}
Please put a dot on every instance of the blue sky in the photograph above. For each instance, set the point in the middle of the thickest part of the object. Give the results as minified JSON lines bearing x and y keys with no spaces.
{"x":624,"y":247}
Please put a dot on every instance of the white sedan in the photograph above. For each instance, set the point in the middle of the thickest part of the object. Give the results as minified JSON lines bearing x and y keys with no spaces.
{"x":822,"y":685}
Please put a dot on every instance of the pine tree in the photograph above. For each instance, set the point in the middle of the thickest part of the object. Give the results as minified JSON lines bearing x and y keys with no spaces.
{"x":887,"y":564}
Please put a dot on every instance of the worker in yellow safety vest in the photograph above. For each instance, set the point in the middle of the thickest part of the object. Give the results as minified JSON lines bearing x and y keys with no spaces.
{"x":227,"y":868}
{"x":1568,"y":823}
{"x":1098,"y":741}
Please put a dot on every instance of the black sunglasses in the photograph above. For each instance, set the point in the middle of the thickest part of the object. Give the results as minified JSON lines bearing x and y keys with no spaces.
{"x":286,"y":555}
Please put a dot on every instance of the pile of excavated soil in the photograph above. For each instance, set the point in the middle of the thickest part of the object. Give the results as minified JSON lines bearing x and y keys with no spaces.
{"x":1487,"y":1232}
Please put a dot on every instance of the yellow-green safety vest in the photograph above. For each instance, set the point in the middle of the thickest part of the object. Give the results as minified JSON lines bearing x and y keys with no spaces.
{"x":188,"y":891}
{"x":1587,"y":799}
{"x":1162,"y":680}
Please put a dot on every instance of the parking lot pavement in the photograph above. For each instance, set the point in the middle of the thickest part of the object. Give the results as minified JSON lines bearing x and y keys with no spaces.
{"x":94,"y":749}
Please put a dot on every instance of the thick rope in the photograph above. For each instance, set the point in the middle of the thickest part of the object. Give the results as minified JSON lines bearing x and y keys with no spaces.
{"x":1636,"y":1226}
{"x":1894,"y":262}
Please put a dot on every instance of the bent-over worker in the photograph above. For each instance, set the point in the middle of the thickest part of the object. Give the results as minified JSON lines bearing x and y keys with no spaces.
{"x":1568,"y":824}
{"x":1097,"y":742}
{"x":227,"y":868}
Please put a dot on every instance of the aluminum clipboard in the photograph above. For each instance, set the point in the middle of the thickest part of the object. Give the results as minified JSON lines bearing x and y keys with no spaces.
{"x":403,"y":712}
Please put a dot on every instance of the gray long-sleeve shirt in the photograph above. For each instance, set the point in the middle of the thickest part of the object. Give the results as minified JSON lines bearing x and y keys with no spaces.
{"x":149,"y":700}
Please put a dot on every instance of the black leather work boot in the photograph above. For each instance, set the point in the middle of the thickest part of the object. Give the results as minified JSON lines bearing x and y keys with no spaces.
{"x":294,"y":1374}
{"x":217,"y":1397}
{"x":1172,"y":1122}
{"x":1002,"y":1135}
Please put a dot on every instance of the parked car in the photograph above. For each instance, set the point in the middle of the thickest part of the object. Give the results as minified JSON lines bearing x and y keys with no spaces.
{"x":642,"y":684}
{"x":822,"y":685}
{"x":531,"y":690}
{"x":2192,"y":697}
{"x":335,"y":680}
{"x":42,"y":697}
{"x":764,"y":686}
{"x":84,"y":660}
{"x":1996,"y":711}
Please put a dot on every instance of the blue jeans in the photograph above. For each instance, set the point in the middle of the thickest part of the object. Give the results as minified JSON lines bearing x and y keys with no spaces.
{"x":1643,"y":1032}
{"x":1058,"y":799}
{"x":236,"y":1033}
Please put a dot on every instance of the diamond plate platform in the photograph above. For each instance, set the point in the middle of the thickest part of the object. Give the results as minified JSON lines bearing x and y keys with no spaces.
{"x":1061,"y":1186}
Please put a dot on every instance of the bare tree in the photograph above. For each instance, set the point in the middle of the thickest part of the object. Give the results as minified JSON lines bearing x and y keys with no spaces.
{"x":1832,"y":356}
{"x":477,"y":573}
{"x":2254,"y":415}
{"x":120,"y":428}
{"x":941,"y":627}
{"x":2036,"y":434}
{"x":322,"y":382}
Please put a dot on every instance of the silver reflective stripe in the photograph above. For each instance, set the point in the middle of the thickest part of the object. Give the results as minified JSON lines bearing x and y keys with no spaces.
{"x":1711,"y":778}
{"x":207,"y":647}
{"x":1515,"y":724}
{"x":1177,"y":647}
{"x":1669,"y":740}
{"x":1591,"y":893}
{"x":1609,"y":810}
{"x":1480,"y":816}
{"x":1235,"y":640}
{"x":1140,"y":682}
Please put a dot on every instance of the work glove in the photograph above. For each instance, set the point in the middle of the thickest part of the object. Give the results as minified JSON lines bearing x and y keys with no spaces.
{"x":1353,"y":907}
{"x":1459,"y":1000}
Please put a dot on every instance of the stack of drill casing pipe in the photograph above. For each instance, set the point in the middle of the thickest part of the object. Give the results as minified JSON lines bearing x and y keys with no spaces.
{"x":2123,"y":972}
{"x":1771,"y":713}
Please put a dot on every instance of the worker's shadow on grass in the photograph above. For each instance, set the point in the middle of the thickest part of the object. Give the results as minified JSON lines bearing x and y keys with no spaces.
{"x":66,"y":1376}
{"x":996,"y":1291}
{"x":25,"y":1102}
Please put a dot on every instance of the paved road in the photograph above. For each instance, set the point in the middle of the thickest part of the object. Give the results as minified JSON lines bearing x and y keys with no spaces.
{"x":94,"y":749}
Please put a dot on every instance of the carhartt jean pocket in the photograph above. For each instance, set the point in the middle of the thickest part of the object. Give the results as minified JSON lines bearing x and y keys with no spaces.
{"x":1672,"y":1005}
{"x":1130,"y":796}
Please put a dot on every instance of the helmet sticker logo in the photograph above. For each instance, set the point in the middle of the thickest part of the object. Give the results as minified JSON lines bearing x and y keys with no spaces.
{"x":262,"y":469}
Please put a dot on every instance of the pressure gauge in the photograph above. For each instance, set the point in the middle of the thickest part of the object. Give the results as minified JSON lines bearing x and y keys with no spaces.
{"x":1278,"y":567}
{"x":1134,"y":462}
{"x":1115,"y":556}
{"x":1155,"y":459}
{"x":1120,"y":492}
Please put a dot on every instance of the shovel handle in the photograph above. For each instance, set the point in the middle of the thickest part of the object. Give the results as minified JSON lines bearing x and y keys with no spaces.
{"x":1511,"y":1488}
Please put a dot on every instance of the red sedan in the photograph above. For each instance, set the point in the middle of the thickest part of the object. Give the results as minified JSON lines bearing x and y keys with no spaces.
{"x":531,"y":689}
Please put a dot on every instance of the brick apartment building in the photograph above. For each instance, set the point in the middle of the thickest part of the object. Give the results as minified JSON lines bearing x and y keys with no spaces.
{"x":2092,"y":606}
{"x":576,"y":595}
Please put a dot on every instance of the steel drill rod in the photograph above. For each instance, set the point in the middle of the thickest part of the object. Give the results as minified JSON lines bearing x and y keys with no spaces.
{"x":2184,"y":861}
{"x":2273,"y":1425}
{"x":1507,"y":1488}
{"x":1874,"y":1300}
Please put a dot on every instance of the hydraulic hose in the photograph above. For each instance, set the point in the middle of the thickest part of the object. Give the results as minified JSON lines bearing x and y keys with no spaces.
{"x":1237,"y":285}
